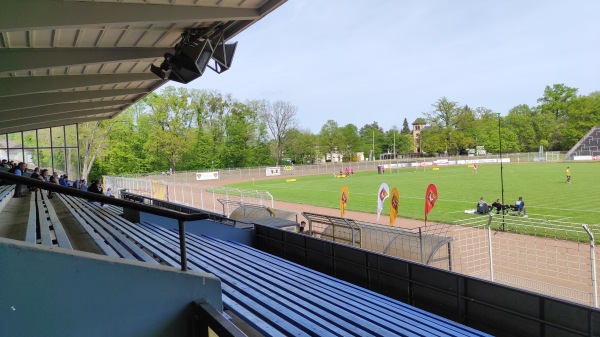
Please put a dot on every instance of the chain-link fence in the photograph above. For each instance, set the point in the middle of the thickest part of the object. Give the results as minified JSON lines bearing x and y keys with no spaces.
{"x":391,"y":165}
{"x":551,"y":257}
{"x":556,"y":258}
{"x":203,"y":197}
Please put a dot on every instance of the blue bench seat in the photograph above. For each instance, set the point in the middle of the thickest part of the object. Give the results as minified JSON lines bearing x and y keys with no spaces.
{"x":100,"y":224}
{"x":281,"y":298}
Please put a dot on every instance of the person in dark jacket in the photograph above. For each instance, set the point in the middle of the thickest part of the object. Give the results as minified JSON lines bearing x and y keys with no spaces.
{"x":499,"y":207}
{"x":95,"y":187}
{"x":19,"y":170}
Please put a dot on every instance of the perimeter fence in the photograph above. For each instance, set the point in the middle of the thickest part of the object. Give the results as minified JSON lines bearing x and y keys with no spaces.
{"x":195,"y":195}
{"x":290,"y":170}
{"x":551,"y":257}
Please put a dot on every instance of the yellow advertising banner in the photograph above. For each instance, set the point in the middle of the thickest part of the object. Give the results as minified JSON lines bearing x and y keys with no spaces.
{"x":343,"y":200}
{"x":394,"y":203}
{"x":159,"y":190}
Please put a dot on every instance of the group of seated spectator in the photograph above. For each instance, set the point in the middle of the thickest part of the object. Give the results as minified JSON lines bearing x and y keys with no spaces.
{"x":43,"y":175}
{"x":519,"y":206}
{"x":18,"y":169}
{"x":6,"y":165}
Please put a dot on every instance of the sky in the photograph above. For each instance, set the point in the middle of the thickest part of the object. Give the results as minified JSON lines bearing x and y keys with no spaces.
{"x":365,"y":61}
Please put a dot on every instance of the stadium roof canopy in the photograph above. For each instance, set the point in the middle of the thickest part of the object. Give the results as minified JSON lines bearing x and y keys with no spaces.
{"x":67,"y":61}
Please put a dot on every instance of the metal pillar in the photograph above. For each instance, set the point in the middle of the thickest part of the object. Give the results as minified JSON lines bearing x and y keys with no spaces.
{"x":490,"y":251}
{"x":593,"y":258}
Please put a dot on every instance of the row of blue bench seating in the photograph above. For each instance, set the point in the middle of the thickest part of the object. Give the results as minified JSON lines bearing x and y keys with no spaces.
{"x":275,"y":296}
{"x":115,"y":209}
{"x":6,"y":193}
{"x":43,"y":225}
{"x":99,"y":223}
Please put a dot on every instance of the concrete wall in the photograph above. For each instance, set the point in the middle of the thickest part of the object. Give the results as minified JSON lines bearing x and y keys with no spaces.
{"x":48,"y":291}
{"x":204,"y":227}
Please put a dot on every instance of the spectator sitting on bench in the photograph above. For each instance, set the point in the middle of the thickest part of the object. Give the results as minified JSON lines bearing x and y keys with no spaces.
{"x":63,"y":180}
{"x":53,"y":179}
{"x":109,"y":193}
{"x":19,"y":170}
{"x":520,"y":207}
{"x":482,"y":206}
{"x":499,"y":206}
{"x":83,"y":185}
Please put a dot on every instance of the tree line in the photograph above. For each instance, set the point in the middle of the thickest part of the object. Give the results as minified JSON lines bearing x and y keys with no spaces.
{"x":192,"y":129}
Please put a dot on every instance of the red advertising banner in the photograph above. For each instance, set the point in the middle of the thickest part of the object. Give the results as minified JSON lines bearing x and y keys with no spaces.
{"x":431,"y":195}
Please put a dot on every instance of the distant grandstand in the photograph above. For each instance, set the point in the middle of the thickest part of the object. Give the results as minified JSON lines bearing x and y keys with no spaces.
{"x":588,"y":148}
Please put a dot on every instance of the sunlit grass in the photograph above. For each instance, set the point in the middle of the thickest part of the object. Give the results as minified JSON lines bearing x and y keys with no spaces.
{"x":542,"y":186}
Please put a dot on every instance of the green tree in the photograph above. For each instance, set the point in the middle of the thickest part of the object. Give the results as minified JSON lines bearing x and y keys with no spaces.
{"x":331,"y":138}
{"x":170,"y":120}
{"x":405,"y":127}
{"x":396,"y":140}
{"x":443,"y":121}
{"x":93,"y":142}
{"x":372,"y":138}
{"x":351,"y":141}
{"x":124,"y":154}
{"x":584,"y":113}
{"x":210,"y":109}
{"x":557,"y":99}
{"x":300,"y":146}
{"x":238,"y":134}
{"x":467,"y":126}
{"x":519,"y":121}
{"x":405,"y":143}
{"x":279,"y":118}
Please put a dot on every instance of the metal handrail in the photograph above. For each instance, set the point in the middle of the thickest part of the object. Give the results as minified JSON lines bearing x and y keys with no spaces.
{"x":205,"y":316}
{"x":179,"y":216}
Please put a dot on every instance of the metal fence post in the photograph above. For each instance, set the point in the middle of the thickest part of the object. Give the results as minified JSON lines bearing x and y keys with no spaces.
{"x":593,"y":258}
{"x":489,"y":227}
{"x":421,"y":245}
{"x":182,"y":244}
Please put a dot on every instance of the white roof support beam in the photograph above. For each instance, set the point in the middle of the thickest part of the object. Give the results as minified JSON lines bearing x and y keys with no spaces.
{"x":61,"y":109}
{"x":45,"y":99}
{"x":29,"y":59}
{"x":45,"y":14}
{"x":48,"y":124}
{"x":11,"y":86}
{"x":69,"y":61}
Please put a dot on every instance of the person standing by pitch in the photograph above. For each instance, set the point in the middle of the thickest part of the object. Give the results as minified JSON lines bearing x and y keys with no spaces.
{"x":568,"y":175}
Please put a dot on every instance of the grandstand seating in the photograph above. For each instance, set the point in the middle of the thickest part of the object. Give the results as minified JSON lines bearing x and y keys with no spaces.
{"x":99,"y":222}
{"x":589,"y":145}
{"x":6,"y":193}
{"x":115,"y":209}
{"x":275,"y":296}
{"x":278,"y":297}
{"x":43,"y":225}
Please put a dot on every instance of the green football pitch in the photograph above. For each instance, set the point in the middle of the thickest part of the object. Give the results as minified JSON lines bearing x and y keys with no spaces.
{"x":542,"y":185}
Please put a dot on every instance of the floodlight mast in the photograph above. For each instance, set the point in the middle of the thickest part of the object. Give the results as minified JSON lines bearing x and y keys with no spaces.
{"x":501,"y":169}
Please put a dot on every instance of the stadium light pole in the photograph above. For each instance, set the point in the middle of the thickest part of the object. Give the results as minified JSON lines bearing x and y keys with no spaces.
{"x":394,"y":144}
{"x":501,"y":170}
{"x":373,"y":148}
